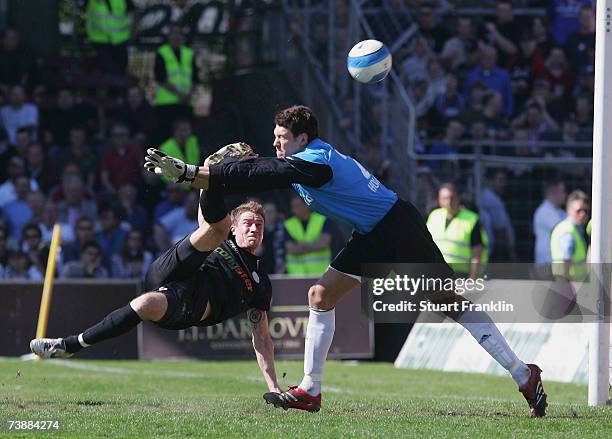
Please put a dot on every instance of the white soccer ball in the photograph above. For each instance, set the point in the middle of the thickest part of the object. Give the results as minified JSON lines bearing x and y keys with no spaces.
{"x":369,"y":61}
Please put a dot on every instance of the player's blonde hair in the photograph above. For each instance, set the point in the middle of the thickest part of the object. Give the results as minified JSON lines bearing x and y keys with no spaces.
{"x":249,"y":206}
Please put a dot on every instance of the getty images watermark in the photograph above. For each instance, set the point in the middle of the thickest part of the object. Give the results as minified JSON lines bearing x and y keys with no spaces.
{"x":509,"y":293}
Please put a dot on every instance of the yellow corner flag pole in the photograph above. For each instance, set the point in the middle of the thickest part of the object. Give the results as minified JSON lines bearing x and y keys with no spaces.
{"x":45,"y":301}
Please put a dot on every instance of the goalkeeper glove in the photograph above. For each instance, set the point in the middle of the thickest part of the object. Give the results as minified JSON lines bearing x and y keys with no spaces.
{"x":164,"y":165}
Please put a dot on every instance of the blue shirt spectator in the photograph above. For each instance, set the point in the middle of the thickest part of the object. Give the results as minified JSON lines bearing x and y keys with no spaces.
{"x":564,"y":18}
{"x":492,"y":76}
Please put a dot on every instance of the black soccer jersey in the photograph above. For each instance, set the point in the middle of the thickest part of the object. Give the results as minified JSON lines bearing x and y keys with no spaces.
{"x":235,"y":282}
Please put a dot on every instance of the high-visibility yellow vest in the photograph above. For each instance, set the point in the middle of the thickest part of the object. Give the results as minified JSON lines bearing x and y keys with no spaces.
{"x":178,"y":72}
{"x":107,"y":25}
{"x":312,"y":263}
{"x":190,"y":155}
{"x":454,"y":241}
{"x":578,"y":267}
{"x":589,"y":227}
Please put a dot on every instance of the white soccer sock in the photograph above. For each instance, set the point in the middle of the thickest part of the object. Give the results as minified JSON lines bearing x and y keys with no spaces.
{"x":482,"y":328}
{"x":319,"y":336}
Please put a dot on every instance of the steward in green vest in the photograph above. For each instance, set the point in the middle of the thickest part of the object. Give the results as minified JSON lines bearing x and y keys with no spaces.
{"x":310,"y":252}
{"x":174,"y":70}
{"x":183,"y":145}
{"x":107,"y":21}
{"x":458,"y":234}
{"x":568,"y":240}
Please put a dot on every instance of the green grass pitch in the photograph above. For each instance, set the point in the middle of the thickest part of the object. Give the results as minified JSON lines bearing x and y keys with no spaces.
{"x":134,"y":399}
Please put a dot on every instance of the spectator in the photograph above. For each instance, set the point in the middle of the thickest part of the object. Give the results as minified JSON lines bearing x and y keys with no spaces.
{"x":457,"y":232}
{"x":129,"y":209}
{"x":178,"y":222}
{"x":536,"y":121}
{"x":60,"y":118}
{"x":16,"y":169}
{"x":139,"y":115}
{"x":18,"y":212}
{"x":421,"y":96}
{"x":502,"y":231}
{"x":122,"y":163}
{"x":69,"y":170}
{"x":75,"y":205}
{"x":48,"y":217}
{"x":436,"y":77}
{"x":539,"y":28}
{"x":89,"y":264}
{"x":18,"y":114}
{"x":133,"y":261}
{"x":548,"y":214}
{"x":473,"y":111}
{"x":580,"y":45}
{"x":493,"y":118}
{"x":111,"y":236}
{"x":584,"y":115}
{"x":448,"y":146}
{"x":82,"y":154}
{"x":493,"y":77}
{"x":524,"y":67}
{"x":273,"y":245}
{"x":183,"y":144}
{"x":109,"y":27}
{"x":19,"y":268}
{"x":585,"y":83}
{"x":33,"y":246}
{"x":38,"y":169}
{"x":23,"y":139}
{"x":504,"y":33}
{"x":568,"y":241}
{"x":564,"y":18}
{"x":308,"y":241}
{"x":84,"y":232}
{"x":434,"y":33}
{"x":557,"y":73}
{"x":174,"y":92}
{"x":449,"y":104}
{"x":15,"y":62}
{"x":458,"y":50}
{"x":174,"y":199}
{"x":415,"y":66}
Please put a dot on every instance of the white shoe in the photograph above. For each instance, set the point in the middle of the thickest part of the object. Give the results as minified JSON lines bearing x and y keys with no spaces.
{"x":50,"y":348}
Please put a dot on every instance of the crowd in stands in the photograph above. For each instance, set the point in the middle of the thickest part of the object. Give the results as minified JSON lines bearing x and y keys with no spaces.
{"x":503,"y":76}
{"x":66,"y":158}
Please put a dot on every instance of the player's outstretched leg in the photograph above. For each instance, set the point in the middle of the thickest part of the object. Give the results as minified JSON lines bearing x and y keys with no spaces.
{"x":527,"y":376}
{"x":150,"y":306}
{"x":322,"y":298}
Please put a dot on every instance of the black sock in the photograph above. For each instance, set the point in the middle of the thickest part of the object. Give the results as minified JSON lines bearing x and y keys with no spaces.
{"x":116,"y":323}
{"x":212,"y":204}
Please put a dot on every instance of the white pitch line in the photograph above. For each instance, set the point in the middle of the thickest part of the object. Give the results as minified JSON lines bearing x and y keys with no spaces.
{"x":119,"y":370}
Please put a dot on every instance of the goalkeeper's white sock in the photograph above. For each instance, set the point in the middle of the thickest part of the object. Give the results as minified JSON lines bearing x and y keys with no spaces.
{"x":319,"y":336}
{"x":482,"y":328}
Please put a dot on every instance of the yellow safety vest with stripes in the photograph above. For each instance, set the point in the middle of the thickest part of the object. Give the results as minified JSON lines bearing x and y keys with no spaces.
{"x":311,"y":263}
{"x":190,"y":155}
{"x":107,"y":21}
{"x":578,"y":267}
{"x":178,"y":72}
{"x":454,"y":241}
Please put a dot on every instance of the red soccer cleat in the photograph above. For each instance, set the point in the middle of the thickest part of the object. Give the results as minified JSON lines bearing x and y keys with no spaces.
{"x":533,"y":392}
{"x":294,"y":398}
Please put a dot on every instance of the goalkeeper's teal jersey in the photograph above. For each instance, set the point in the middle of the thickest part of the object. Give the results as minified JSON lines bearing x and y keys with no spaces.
{"x":353,"y":195}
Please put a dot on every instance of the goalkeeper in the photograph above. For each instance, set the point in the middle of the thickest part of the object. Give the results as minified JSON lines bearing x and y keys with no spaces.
{"x":387,"y":229}
{"x":202,"y":280}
